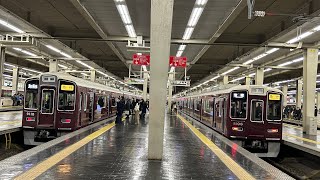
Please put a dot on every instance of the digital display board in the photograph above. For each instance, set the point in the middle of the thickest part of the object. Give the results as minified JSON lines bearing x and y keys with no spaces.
{"x":238,"y":95}
{"x":274,"y":97}
{"x":65,"y":87}
{"x":32,"y":86}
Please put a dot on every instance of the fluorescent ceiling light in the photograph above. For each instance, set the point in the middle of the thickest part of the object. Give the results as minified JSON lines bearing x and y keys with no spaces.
{"x":266,"y":70}
{"x":179,"y":53}
{"x":216,"y":77}
{"x":201,"y":2}
{"x":187,"y":33}
{"x":130,"y":30}
{"x":58,"y":51}
{"x":304,"y":35}
{"x":248,"y":62}
{"x":25,"y":52}
{"x":10,"y":26}
{"x":195,"y":15}
{"x":84,"y":64}
{"x":237,"y":79}
{"x":272,"y":50}
{"x":182,"y":47}
{"x":9,"y":65}
{"x":84,"y":74}
{"x":124,"y":13}
{"x":100,"y":72}
{"x":35,"y":71}
{"x":8,"y":69}
{"x":252,"y":74}
{"x":291,"y":62}
{"x":62,"y":66}
{"x":230,"y":70}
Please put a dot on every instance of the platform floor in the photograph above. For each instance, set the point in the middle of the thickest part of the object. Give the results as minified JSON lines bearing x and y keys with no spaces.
{"x":11,"y":108}
{"x":10,"y":121}
{"x":120,"y":152}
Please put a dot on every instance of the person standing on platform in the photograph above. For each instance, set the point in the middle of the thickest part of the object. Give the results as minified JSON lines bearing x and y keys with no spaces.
{"x":137,"y":112}
{"x":120,"y":109}
{"x":143,"y":109}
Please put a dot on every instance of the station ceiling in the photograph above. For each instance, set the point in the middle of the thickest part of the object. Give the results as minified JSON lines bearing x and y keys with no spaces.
{"x":240,"y":37}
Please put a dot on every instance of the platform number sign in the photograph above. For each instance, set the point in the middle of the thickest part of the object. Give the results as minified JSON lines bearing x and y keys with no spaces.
{"x":141,"y":59}
{"x":178,"y":61}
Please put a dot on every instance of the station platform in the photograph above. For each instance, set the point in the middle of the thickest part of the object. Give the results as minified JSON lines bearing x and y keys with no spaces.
{"x":107,"y":151}
{"x":11,"y":108}
{"x":293,"y":136}
{"x":10,"y":122}
{"x":299,"y":122}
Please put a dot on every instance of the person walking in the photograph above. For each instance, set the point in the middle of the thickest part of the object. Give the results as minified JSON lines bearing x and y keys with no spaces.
{"x":120,"y":109}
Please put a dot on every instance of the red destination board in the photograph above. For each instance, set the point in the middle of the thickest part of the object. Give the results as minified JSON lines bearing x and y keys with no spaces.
{"x":178,"y":61}
{"x":141,"y":59}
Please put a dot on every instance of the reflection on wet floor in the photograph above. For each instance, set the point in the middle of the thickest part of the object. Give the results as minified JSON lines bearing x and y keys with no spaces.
{"x":295,"y":133}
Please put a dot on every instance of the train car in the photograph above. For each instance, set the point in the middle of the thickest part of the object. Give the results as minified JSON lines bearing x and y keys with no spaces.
{"x":251,"y":115}
{"x":58,"y":103}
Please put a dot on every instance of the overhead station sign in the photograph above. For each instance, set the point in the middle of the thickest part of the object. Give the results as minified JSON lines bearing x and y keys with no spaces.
{"x":180,"y":83}
{"x":178,"y":61}
{"x":142,"y":59}
{"x":133,"y":80}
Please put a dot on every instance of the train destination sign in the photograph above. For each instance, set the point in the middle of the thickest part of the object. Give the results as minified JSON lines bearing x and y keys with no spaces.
{"x":180,"y":83}
{"x":133,"y":80}
{"x":178,"y":61}
{"x":67,"y":87}
{"x":274,"y":97}
{"x":142,"y":59}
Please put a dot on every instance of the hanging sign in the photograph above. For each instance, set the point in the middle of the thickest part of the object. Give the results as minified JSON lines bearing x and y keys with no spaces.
{"x":180,"y":83}
{"x":178,"y":61}
{"x":142,"y":59}
{"x":133,"y":80}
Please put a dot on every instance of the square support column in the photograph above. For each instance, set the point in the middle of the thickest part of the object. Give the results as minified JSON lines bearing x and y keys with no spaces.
{"x":285,"y":94}
{"x":160,"y":39}
{"x":259,"y":76}
{"x":248,"y":80}
{"x":298,"y":93}
{"x":15,"y":80}
{"x":53,"y":65}
{"x":145,"y":85}
{"x":225,"y":80}
{"x":310,"y":67}
{"x":92,"y":75}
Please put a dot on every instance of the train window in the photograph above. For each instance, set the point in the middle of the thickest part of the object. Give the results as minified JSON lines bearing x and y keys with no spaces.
{"x":80,"y":104}
{"x":197,"y":105}
{"x":31,"y":99}
{"x":238,"y":109}
{"x":274,"y":107}
{"x":85,"y":102}
{"x":47,"y":101}
{"x":256,"y":110}
{"x":66,"y":96}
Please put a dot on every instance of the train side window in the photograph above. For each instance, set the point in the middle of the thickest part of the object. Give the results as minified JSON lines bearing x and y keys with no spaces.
{"x":256,"y":110}
{"x":238,"y":105}
{"x":31,"y":99}
{"x":274,"y":111}
{"x":85,"y":102}
{"x":66,"y":96}
{"x":80,"y":104}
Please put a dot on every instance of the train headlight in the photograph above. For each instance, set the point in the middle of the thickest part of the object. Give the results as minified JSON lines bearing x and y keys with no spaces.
{"x":273,"y":130}
{"x":66,"y":121}
{"x":237,"y":128}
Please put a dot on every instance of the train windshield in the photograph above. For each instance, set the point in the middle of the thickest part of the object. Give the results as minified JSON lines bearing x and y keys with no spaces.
{"x":31,"y":96}
{"x":256,"y":110}
{"x":238,"y":109}
{"x":274,"y":106}
{"x":66,"y":96}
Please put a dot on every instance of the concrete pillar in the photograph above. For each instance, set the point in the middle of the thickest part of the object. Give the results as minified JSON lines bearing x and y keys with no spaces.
{"x":298,"y":93}
{"x":310,"y":67}
{"x":92,"y":75}
{"x":259,"y":76}
{"x":225,"y":80}
{"x":2,"y":60}
{"x":145,"y":85}
{"x":285,"y":93}
{"x":15,"y":80}
{"x":170,"y":91}
{"x":248,"y":80}
{"x":160,"y":37}
{"x":53,"y":65}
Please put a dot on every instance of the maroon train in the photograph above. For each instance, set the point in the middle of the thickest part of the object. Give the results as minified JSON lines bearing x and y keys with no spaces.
{"x":58,"y":103}
{"x":251,"y":116}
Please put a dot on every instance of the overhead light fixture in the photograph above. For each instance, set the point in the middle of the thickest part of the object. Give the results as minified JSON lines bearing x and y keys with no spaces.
{"x":195,"y":15}
{"x":201,"y":2}
{"x":58,"y":51}
{"x":252,"y":74}
{"x":10,"y":26}
{"x":266,"y":70}
{"x":300,"y":37}
{"x":31,"y":70}
{"x":9,"y":65}
{"x":182,"y":47}
{"x":125,"y":17}
{"x":8,"y":69}
{"x":100,"y":72}
{"x":25,"y":52}
{"x":291,"y":62}
{"x":230,"y":70}
{"x":84,"y":64}
{"x":187,"y":33}
{"x":237,"y":79}
{"x":84,"y":74}
{"x":62,"y":66}
{"x":179,"y":53}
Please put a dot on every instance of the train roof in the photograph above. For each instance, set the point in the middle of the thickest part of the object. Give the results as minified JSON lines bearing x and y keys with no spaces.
{"x":84,"y":83}
{"x":252,"y":89}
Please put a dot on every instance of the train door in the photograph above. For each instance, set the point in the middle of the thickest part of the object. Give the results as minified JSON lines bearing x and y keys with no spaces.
{"x":257,"y":122}
{"x":80,"y":109}
{"x":47,"y":115}
{"x":91,"y":106}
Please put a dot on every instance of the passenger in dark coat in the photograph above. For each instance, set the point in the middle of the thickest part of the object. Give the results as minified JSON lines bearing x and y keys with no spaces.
{"x":143,"y":108}
{"x":120,"y":109}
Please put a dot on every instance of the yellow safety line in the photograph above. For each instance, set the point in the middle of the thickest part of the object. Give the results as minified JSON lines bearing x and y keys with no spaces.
{"x":10,"y":122}
{"x":230,"y":163}
{"x":301,"y":138}
{"x":53,"y":160}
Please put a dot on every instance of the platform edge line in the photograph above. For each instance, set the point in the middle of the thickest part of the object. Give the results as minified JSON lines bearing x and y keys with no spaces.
{"x":229,"y":162}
